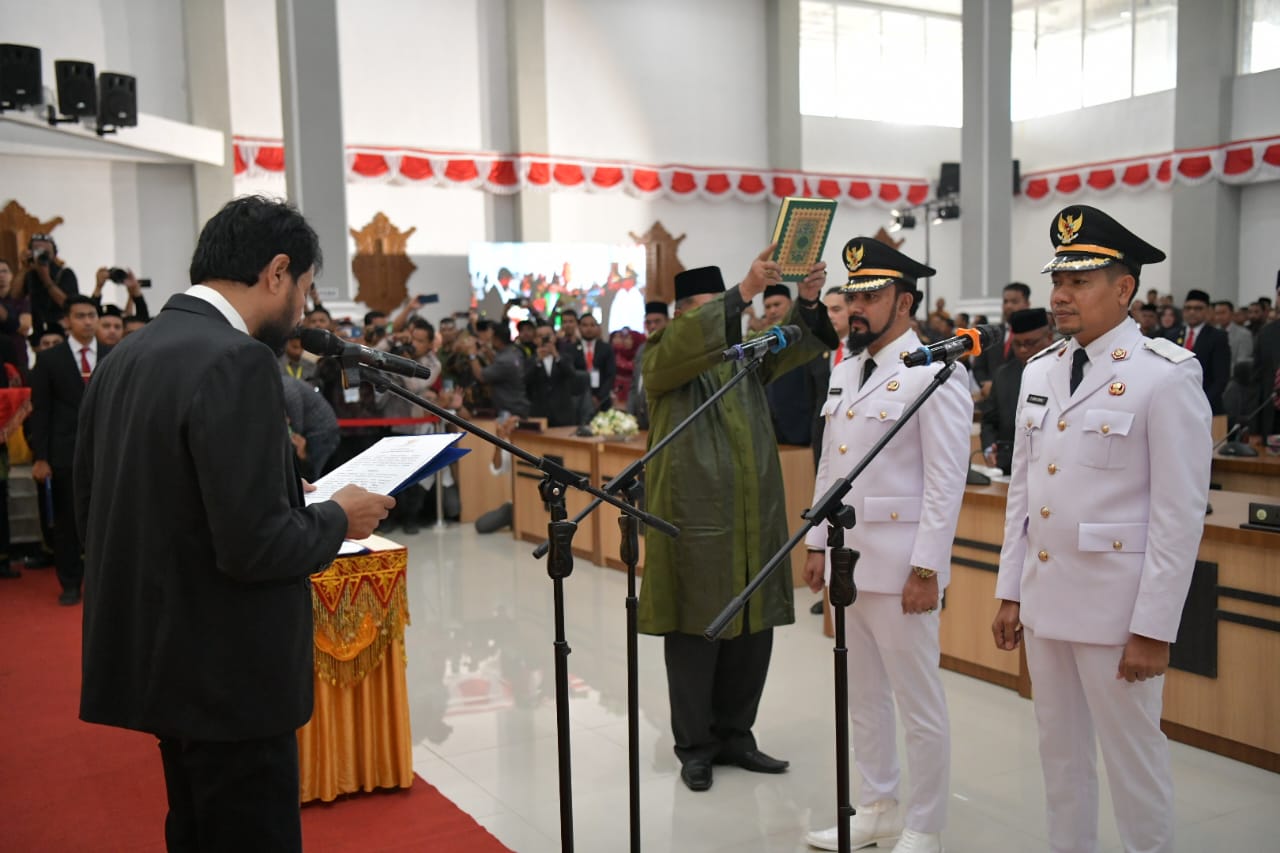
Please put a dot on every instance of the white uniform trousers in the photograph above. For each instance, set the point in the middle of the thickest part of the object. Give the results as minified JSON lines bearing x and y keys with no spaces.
{"x":1076,"y":691}
{"x":895,"y":655}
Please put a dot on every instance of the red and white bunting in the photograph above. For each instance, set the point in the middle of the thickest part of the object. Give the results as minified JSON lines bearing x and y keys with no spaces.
{"x":1243,"y":162}
{"x":504,"y":174}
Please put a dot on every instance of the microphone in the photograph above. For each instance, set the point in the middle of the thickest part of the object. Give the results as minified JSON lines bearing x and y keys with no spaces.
{"x":321,"y":342}
{"x":774,"y":339}
{"x":966,"y":341}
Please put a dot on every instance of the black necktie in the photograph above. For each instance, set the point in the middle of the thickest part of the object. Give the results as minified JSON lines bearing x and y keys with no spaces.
{"x":868,"y":368}
{"x":1077,"y":368}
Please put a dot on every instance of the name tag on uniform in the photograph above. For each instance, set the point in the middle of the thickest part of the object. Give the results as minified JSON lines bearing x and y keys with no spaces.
{"x":835,"y":392}
{"x":1037,"y":399}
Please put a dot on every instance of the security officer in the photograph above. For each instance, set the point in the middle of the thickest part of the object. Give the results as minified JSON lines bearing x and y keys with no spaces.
{"x":1096,"y":584}
{"x":907,"y":502}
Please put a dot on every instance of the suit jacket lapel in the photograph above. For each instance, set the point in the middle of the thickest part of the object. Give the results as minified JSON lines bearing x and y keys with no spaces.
{"x":1060,"y":379}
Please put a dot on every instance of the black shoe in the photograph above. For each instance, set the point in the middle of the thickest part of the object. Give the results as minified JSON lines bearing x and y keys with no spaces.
{"x":410,"y":528}
{"x":755,"y":761}
{"x":69,"y":597}
{"x":816,"y":609}
{"x":696,"y":774}
{"x":36,"y":562}
{"x":8,"y":572}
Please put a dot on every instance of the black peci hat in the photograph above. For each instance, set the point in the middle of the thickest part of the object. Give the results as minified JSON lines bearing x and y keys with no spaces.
{"x":698,"y":280}
{"x":777,"y":290}
{"x":656,"y":308}
{"x":1028,"y":320}
{"x":1197,"y":296}
{"x":1085,"y":238}
{"x":873,"y":265}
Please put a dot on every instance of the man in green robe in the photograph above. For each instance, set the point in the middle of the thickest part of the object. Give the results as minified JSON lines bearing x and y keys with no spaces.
{"x":720,"y":482}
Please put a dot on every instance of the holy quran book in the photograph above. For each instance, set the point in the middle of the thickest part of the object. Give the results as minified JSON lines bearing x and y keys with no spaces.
{"x":801,"y":233}
{"x":391,"y":465}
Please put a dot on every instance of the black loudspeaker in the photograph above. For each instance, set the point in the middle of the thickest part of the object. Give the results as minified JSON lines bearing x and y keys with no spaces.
{"x":77,"y":88}
{"x":117,"y":100}
{"x":949,"y":180}
{"x":21,"y":82}
{"x":1017,"y":177}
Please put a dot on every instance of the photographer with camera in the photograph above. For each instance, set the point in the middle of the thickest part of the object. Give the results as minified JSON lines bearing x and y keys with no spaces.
{"x":550,"y":381}
{"x":48,"y":282}
{"x":119,"y":287}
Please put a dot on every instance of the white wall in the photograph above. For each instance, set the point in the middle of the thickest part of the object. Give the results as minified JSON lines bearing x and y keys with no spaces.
{"x":1259,"y":246}
{"x":657,"y":81}
{"x":1130,"y":128}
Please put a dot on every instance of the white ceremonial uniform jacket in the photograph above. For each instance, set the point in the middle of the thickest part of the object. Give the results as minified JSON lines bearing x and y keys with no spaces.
{"x":1108,"y":491}
{"x":908,"y":499}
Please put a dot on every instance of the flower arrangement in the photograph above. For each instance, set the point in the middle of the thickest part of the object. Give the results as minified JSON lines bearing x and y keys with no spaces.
{"x":614,"y":424}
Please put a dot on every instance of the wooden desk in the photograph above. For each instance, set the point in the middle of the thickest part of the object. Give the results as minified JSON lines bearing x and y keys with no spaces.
{"x":1232,"y":711}
{"x":1259,"y":475}
{"x":358,"y":738}
{"x":599,"y":536}
{"x":478,"y":489}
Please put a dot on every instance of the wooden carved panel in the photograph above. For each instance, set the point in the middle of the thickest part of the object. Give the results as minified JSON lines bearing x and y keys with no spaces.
{"x":381,"y":266}
{"x":16,"y":228}
{"x":661,"y":263}
{"x":883,"y":237}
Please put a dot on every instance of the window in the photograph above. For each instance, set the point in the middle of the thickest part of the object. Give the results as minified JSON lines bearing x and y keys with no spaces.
{"x":1068,"y":54}
{"x":1259,"y":35}
{"x":886,"y":61}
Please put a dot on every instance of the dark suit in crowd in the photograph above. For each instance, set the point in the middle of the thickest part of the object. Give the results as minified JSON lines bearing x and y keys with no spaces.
{"x":1213,"y":350}
{"x":1266,"y":361}
{"x":999,"y":414}
{"x":197,"y":607}
{"x":57,"y":389}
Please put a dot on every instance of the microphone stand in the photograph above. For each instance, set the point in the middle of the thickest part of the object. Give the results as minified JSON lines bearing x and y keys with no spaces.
{"x":628,"y":484}
{"x":832,"y":509}
{"x":1239,"y":448}
{"x":556,"y":480}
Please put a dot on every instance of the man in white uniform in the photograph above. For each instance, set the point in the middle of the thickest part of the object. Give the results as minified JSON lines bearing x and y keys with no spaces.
{"x":1106,"y":506}
{"x":907,"y":502}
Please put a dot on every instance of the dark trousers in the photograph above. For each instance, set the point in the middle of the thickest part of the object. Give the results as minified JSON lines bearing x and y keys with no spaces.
{"x":715,"y":690}
{"x":232,"y":796}
{"x":68,"y":555}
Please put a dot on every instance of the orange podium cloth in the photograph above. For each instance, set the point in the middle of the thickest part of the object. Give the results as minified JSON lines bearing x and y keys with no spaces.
{"x":358,"y":737}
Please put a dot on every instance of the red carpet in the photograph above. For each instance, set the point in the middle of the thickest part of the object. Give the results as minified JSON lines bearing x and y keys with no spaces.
{"x":70,"y":786}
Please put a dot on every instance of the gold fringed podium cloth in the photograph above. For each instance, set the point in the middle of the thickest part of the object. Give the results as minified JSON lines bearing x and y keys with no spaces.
{"x":358,"y":737}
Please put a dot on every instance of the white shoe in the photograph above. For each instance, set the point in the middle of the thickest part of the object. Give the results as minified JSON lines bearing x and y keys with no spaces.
{"x":918,"y":842}
{"x":877,"y":823}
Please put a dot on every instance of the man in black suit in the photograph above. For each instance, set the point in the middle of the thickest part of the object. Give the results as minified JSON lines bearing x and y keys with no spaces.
{"x":1266,"y":365}
{"x":197,"y":617}
{"x":1209,"y":343}
{"x":1028,"y":333}
{"x":549,"y":381}
{"x":1016,"y":297}
{"x":598,"y":360}
{"x":57,"y":388}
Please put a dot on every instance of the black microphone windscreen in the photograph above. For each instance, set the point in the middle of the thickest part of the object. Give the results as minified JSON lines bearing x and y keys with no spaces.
{"x":321,"y":342}
{"x":987,"y":335}
{"x":792,"y":334}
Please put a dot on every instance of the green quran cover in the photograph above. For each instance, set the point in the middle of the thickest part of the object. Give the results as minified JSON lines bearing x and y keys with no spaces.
{"x":801,"y":233}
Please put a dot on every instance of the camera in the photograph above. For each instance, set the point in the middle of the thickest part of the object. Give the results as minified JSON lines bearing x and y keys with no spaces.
{"x":40,"y":256}
{"x":117,"y":275}
{"x":402,"y":349}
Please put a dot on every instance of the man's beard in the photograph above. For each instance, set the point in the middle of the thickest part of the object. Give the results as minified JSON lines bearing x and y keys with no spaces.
{"x":858,"y":341}
{"x":276,"y":332}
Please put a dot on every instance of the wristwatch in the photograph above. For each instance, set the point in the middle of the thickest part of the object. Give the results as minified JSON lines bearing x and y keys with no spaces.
{"x":923,"y":574}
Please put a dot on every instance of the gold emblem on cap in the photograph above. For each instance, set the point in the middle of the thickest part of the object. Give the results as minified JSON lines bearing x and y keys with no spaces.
{"x":853,"y":257}
{"x":892,"y":386}
{"x":1118,"y":353}
{"x":1116,"y":389}
{"x":1069,"y":228}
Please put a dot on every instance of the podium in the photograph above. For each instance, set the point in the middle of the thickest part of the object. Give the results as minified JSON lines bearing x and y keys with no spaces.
{"x":358,"y":737}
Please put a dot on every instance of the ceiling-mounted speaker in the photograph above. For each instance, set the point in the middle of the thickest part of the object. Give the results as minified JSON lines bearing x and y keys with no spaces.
{"x":21,"y":81}
{"x":77,"y":88}
{"x":949,"y":180}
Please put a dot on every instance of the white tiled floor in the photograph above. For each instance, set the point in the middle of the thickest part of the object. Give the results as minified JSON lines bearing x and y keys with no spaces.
{"x":481,"y":686}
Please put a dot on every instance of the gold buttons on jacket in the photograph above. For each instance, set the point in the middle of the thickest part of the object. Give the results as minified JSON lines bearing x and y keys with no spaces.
{"x":1044,"y":556}
{"x":1062,"y":425}
{"x":1106,"y":428}
{"x":884,"y":415}
{"x":1053,"y":469}
{"x":1044,"y":512}
{"x":849,"y":414}
{"x":1117,"y":354}
{"x":893,"y":386}
{"x":1117,"y":545}
{"x":893,"y":516}
{"x":844,"y":448}
{"x":1029,"y":423}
